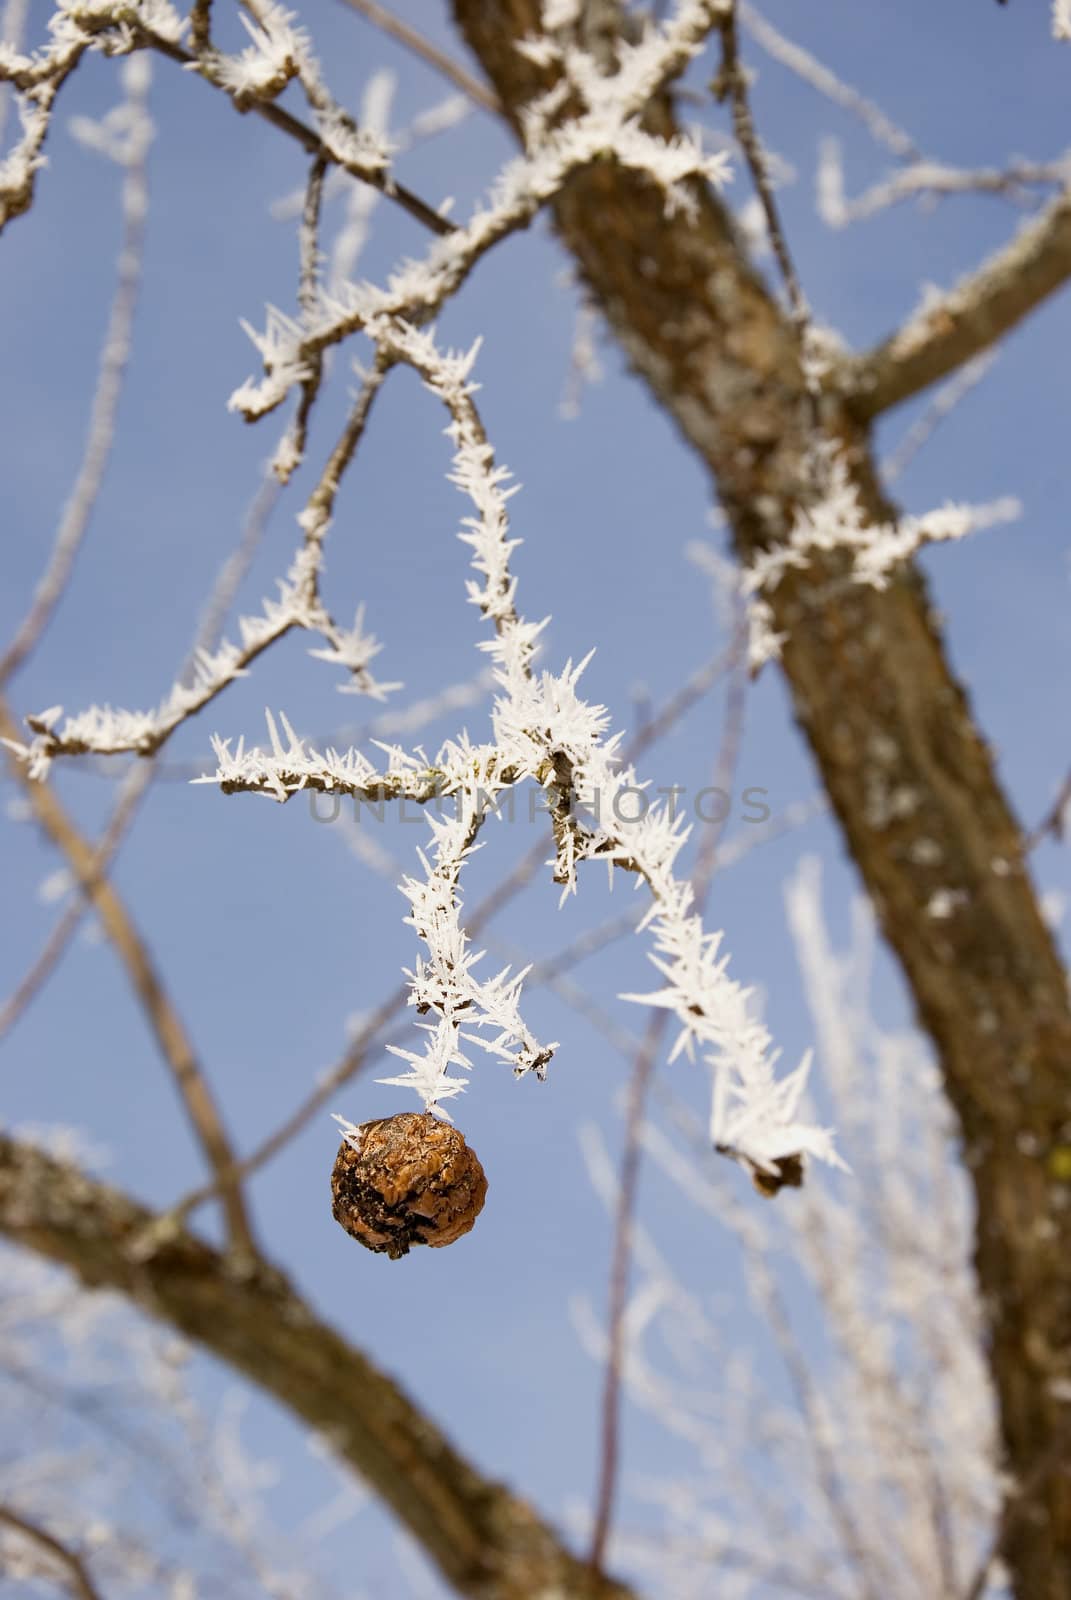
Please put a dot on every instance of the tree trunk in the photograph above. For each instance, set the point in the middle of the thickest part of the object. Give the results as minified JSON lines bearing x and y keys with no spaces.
{"x":910,"y":777}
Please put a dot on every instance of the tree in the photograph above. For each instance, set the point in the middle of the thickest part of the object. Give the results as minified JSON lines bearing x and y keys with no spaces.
{"x":781,"y":416}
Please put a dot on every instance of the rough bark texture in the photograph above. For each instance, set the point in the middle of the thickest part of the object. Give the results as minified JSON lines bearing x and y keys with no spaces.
{"x":911,"y":779}
{"x":485,"y":1541}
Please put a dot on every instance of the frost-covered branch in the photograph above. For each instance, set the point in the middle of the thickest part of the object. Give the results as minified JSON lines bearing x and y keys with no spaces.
{"x":607,"y":126}
{"x":926,"y":181}
{"x":840,"y":521}
{"x":253,"y":79}
{"x":372,"y":1034}
{"x":543,"y":731}
{"x":103,"y":731}
{"x":951,"y":328}
{"x":37,"y":83}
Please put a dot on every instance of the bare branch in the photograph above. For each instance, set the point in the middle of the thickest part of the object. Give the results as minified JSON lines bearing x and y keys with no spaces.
{"x":944,"y":402}
{"x":137,"y":782}
{"x":643,"y":1070}
{"x":52,"y":950}
{"x":12,"y":28}
{"x":159,"y":1010}
{"x":732,"y":83}
{"x":294,"y":446}
{"x":486,"y":1542}
{"x":1054,"y":821}
{"x":58,"y":1554}
{"x":428,"y":52}
{"x":930,"y":181}
{"x":818,"y":75}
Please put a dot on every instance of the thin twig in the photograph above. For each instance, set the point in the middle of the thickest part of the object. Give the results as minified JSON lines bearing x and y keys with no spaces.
{"x":430,"y":53}
{"x":303,"y":609}
{"x":643,"y":1070}
{"x":308,"y":281}
{"x":811,"y":1406}
{"x":1054,"y":821}
{"x":933,"y":181}
{"x":809,"y":1398}
{"x":943,"y":403}
{"x":12,"y":28}
{"x":51,"y":952}
{"x":175,"y":1046}
{"x":310,"y":140}
{"x":818,"y":75}
{"x":75,"y":1569}
{"x":309,"y":236}
{"x":138,"y":780}
{"x":732,"y":81}
{"x":115,"y":356}
{"x":628,"y":1184}
{"x":369,"y":1038}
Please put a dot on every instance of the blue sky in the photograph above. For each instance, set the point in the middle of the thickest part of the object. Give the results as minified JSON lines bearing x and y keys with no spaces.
{"x":270,"y":932}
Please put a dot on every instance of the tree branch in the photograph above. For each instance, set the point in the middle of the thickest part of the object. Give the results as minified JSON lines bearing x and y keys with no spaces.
{"x":61,"y":1555}
{"x":308,"y":138}
{"x":645,"y":1063}
{"x":970,"y":318}
{"x":421,"y":46}
{"x":88,"y":865}
{"x":485,"y":1541}
{"x":114,"y":358}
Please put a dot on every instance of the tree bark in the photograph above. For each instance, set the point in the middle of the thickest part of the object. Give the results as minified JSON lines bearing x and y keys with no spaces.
{"x":486,"y":1542}
{"x":909,"y":775}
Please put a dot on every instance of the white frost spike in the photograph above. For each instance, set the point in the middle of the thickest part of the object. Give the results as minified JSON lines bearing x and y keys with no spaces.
{"x":839,"y":521}
{"x":268,"y":63}
{"x":353,"y":649}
